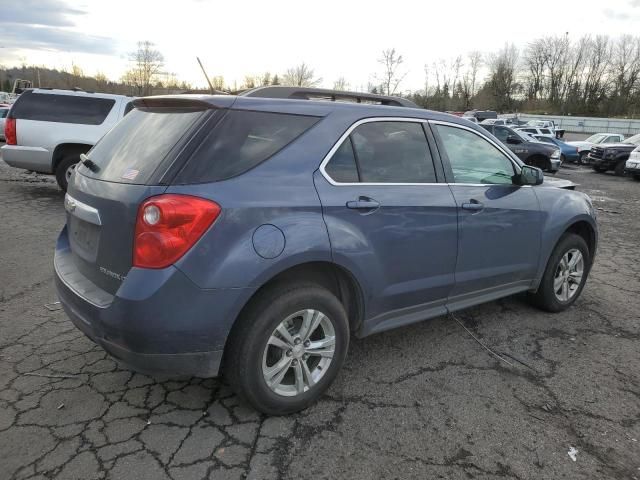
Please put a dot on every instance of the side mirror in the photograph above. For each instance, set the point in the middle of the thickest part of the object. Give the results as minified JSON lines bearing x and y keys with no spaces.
{"x":513,"y":140}
{"x":530,"y":176}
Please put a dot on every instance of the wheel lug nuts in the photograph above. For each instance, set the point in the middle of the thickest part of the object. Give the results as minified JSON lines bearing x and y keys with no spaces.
{"x":295,"y":362}
{"x":289,"y":353}
{"x":297,"y":341}
{"x":307,"y":343}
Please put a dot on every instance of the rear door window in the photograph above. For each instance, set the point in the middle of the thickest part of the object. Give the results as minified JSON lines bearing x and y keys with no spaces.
{"x":137,"y":145}
{"x":383,"y":152}
{"x":78,"y":109}
{"x":240,"y":141}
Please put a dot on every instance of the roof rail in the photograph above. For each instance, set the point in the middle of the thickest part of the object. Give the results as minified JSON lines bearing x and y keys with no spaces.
{"x":304,"y":93}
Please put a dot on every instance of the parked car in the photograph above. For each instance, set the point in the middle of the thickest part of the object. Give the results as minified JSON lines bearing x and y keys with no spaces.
{"x":47,"y":130}
{"x":252,"y":236}
{"x":4,"y":109}
{"x":541,"y":132}
{"x":495,"y":121}
{"x":537,"y":154}
{"x":471,"y":119}
{"x":568,"y":153}
{"x":547,"y":124}
{"x":632,"y":165}
{"x":584,"y":147}
{"x":613,"y":156}
{"x":481,"y":115}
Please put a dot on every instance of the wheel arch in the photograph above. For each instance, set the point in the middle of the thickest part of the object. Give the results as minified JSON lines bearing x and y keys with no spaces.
{"x":335,"y":278}
{"x":65,"y":149}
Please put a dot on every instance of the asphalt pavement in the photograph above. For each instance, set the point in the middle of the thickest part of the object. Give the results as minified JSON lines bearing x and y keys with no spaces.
{"x":425,"y":401}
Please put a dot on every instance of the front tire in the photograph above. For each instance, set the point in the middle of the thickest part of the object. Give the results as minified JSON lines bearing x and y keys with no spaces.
{"x":65,"y":169}
{"x":565,"y":275}
{"x":636,"y":178}
{"x":582,"y":160}
{"x":619,"y":170}
{"x":287,"y":348}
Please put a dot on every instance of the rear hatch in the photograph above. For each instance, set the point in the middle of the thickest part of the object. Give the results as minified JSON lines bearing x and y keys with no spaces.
{"x":128,"y":165}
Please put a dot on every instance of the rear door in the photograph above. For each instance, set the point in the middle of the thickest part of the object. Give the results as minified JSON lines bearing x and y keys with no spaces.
{"x":499,"y":223}
{"x":103,"y":198}
{"x":389,"y":219}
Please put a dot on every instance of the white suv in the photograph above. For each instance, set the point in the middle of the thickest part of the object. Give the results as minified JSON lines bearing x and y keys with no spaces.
{"x":47,"y":130}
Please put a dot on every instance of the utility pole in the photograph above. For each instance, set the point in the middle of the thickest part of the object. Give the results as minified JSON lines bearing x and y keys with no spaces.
{"x":211,"y":90}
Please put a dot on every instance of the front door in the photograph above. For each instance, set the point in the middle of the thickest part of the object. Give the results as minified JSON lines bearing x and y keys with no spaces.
{"x":389,"y":220}
{"x":499,"y":222}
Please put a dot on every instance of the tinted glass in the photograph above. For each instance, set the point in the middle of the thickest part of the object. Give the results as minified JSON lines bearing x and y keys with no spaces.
{"x":393,"y":152}
{"x":135,"y":147}
{"x":545,"y":131}
{"x":84,"y":110}
{"x":241,"y":141}
{"x":473,"y":159}
{"x":3,"y":112}
{"x":128,"y":107}
{"x":502,"y":133}
{"x":342,"y":166}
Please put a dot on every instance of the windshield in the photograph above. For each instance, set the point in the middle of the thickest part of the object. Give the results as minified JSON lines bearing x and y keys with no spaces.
{"x":635,"y":140}
{"x":597,"y":138}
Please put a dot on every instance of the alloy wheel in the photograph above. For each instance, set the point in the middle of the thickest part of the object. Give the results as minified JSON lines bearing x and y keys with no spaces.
{"x":568,"y":275}
{"x":298,"y":352}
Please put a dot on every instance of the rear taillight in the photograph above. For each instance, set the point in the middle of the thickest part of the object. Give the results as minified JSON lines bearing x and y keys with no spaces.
{"x":10,"y":134}
{"x":167,"y":226}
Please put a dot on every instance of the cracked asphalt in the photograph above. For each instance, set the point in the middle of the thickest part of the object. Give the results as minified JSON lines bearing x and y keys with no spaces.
{"x":425,"y":401}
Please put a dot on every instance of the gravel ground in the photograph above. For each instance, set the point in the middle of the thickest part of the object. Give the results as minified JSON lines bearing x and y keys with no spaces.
{"x":425,"y":401}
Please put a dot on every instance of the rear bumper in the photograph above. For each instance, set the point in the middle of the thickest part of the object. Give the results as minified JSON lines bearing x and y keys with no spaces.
{"x":632,"y":171}
{"x":157,"y":322}
{"x":30,"y":158}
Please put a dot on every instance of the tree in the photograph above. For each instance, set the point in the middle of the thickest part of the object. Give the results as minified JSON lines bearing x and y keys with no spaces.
{"x":147,"y":63}
{"x":275,"y":80}
{"x":300,"y":76}
{"x":341,"y":84}
{"x":502,"y":77}
{"x":391,"y":77}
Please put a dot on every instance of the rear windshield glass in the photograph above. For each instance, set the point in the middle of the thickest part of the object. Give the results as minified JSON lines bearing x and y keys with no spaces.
{"x":242,"y":140}
{"x":137,"y":145}
{"x":46,"y":107}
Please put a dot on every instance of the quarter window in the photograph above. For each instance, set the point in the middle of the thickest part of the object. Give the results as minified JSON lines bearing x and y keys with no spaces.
{"x":384,"y":152}
{"x":342,"y":167}
{"x":473,"y":159}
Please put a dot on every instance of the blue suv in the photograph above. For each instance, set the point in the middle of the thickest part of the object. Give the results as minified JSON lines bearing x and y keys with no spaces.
{"x":251,"y":236}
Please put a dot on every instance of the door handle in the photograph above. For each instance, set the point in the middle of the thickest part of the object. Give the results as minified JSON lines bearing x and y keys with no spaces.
{"x":473,"y":205}
{"x":363,"y":203}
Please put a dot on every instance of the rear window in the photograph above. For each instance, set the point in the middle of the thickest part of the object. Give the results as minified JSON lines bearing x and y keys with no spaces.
{"x":46,"y":107}
{"x":3,"y":112}
{"x":242,"y":140}
{"x":137,"y":145}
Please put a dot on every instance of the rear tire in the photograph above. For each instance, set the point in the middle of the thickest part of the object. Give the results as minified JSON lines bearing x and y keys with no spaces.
{"x":559,"y":274}
{"x":258,"y":344}
{"x":619,"y":170}
{"x":64,"y":170}
{"x":636,"y":178}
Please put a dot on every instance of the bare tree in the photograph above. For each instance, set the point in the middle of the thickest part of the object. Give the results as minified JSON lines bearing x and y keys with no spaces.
{"x":341,"y":84}
{"x":300,"y":76}
{"x":470,"y":78}
{"x":391,"y":76}
{"x":147,"y":62}
{"x":502,"y":76}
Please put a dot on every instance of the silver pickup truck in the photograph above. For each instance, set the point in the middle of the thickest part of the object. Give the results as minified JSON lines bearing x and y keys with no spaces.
{"x":47,"y":130}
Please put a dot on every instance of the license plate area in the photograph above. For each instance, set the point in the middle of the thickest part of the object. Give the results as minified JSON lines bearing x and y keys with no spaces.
{"x":84,"y":238}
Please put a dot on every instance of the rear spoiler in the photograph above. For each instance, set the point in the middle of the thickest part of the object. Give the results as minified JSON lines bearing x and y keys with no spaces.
{"x":190,"y":102}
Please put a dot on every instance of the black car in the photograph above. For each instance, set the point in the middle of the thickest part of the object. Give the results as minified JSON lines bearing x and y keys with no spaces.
{"x":537,"y":154}
{"x":613,"y":156}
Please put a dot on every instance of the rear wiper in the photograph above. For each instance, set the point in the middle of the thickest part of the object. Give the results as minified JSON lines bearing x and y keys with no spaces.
{"x":87,"y":162}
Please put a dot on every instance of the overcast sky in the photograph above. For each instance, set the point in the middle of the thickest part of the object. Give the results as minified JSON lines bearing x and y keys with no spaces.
{"x":337,"y":38}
